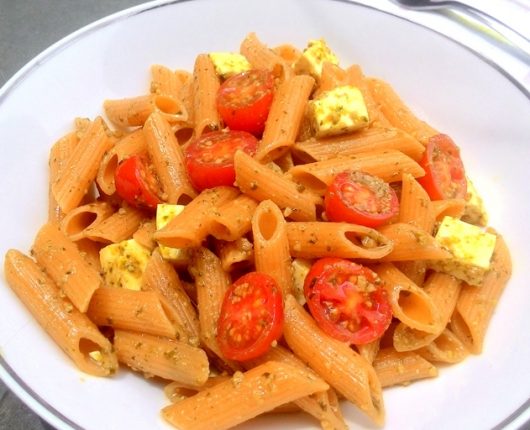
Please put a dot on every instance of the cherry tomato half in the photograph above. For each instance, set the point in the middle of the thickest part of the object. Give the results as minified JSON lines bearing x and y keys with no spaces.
{"x":360,"y":198}
{"x":251,"y":317}
{"x":347,"y":300}
{"x":210,"y":157}
{"x":136,"y":184}
{"x":244,"y":100}
{"x":445,"y":176}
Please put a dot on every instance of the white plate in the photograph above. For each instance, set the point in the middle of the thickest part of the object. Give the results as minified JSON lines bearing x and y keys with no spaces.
{"x":458,"y":92}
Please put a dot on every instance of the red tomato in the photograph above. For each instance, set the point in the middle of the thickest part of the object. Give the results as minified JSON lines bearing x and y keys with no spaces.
{"x":251,"y":317}
{"x":210,"y":157}
{"x":347,"y":300}
{"x":136,"y":184}
{"x":244,"y":100}
{"x":360,"y":198}
{"x":445,"y":176}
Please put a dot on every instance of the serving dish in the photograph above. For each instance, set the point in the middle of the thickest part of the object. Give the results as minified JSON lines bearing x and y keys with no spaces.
{"x":445,"y":83}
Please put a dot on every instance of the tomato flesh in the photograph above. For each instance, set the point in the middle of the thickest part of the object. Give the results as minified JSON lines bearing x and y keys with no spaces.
{"x":251,"y":317}
{"x":136,"y":184}
{"x":347,"y":300}
{"x":360,"y":198}
{"x":445,"y":176}
{"x":210,"y":157}
{"x":244,"y":100}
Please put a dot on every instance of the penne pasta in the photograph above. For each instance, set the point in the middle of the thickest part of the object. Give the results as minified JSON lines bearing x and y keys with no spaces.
{"x":271,"y":245}
{"x":334,"y":239}
{"x":211,"y":282}
{"x":397,"y":112}
{"x":63,"y":262}
{"x":354,"y":76}
{"x":168,"y":160}
{"x":388,"y":165}
{"x":415,"y":205}
{"x":261,"y":183}
{"x":416,"y":209}
{"x":443,"y":290}
{"x":340,"y":366}
{"x":233,"y":219}
{"x":190,"y":227}
{"x":369,"y":350}
{"x":414,"y":270}
{"x":401,"y":368}
{"x":365,"y":140}
{"x":446,"y":348}
{"x":162,"y":357}
{"x":144,"y":234}
{"x":59,"y":154}
{"x":252,"y":393}
{"x":132,"y":144}
{"x":141,"y":311}
{"x":332,"y":76}
{"x":261,"y":56}
{"x":285,"y":117}
{"x":119,"y":226}
{"x":71,"y":330}
{"x":81,"y":168}
{"x":450,"y":207}
{"x":288,"y":52}
{"x":238,"y":253}
{"x":78,"y":220}
{"x":322,"y":405}
{"x":89,"y":251}
{"x":133,"y":112}
{"x":412,"y":305}
{"x":411,"y":243}
{"x":160,"y":275}
{"x":475,"y":305}
{"x":167,"y":82}
{"x":205,"y":87}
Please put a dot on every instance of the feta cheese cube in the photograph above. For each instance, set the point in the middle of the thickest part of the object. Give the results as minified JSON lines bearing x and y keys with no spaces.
{"x":337,"y":111}
{"x":474,"y":211}
{"x":124,"y":263}
{"x":165,"y":212}
{"x":471,"y":247}
{"x":97,"y":356}
{"x":229,"y":64}
{"x":300,"y":268}
{"x":313,"y":57}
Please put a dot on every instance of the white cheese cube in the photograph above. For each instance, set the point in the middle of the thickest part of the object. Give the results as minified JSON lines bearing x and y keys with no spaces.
{"x":124,"y":263}
{"x":300,"y":268}
{"x":165,"y":212}
{"x":97,"y":356}
{"x":474,"y":211}
{"x":471,"y":247}
{"x":337,"y":111}
{"x":228,"y":63}
{"x":313,"y":58}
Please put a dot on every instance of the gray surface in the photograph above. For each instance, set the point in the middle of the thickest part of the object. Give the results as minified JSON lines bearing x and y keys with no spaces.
{"x":27,"y":27}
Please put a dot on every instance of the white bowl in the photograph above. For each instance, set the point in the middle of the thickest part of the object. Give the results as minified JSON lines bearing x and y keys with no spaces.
{"x":445,"y":83}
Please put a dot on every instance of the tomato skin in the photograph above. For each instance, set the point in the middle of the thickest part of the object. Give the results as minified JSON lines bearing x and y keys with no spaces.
{"x":251,"y":317}
{"x":244,"y":100}
{"x":347,"y":300}
{"x":210,"y":157}
{"x":445,"y":176}
{"x":136,"y":184}
{"x":360,"y":198}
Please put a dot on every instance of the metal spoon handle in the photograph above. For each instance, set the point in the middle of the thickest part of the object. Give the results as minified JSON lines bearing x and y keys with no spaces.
{"x":512,"y":36}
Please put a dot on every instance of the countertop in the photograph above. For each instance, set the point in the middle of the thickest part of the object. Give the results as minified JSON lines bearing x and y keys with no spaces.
{"x":27,"y":27}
